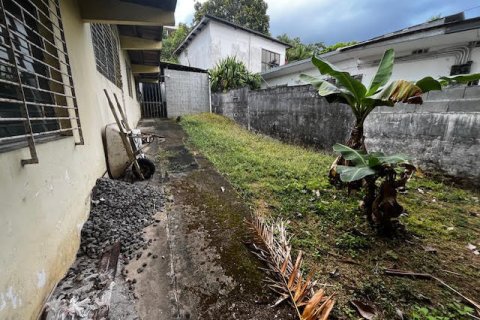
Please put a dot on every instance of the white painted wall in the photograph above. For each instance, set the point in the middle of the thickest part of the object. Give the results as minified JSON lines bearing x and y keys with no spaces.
{"x":365,"y":60}
{"x":186,"y":92}
{"x":43,"y":206}
{"x":199,"y":52}
{"x":217,"y":41}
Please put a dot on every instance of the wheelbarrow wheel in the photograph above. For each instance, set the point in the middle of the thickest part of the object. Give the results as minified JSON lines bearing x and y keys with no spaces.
{"x":147,"y":167}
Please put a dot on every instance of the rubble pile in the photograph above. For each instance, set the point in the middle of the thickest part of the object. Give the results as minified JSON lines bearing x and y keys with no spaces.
{"x":120,"y":211}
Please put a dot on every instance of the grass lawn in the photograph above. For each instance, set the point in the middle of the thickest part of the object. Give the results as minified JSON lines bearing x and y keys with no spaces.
{"x":290,"y":182}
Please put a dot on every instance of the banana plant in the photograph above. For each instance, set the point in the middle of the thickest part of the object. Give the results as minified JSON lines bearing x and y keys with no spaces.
{"x":380,"y":201}
{"x":363,"y":100}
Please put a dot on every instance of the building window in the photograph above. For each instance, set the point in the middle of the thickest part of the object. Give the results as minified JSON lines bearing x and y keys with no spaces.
{"x":37,"y":97}
{"x":129,"y":78}
{"x":461,"y":68}
{"x":106,"y":48}
{"x":420,"y":51}
{"x":465,"y":68}
{"x":269,"y":60}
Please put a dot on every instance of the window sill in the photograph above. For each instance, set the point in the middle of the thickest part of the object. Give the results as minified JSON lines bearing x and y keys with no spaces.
{"x":12,"y":146}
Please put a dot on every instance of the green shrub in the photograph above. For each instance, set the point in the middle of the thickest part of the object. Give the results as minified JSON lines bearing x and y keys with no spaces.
{"x":231,"y":73}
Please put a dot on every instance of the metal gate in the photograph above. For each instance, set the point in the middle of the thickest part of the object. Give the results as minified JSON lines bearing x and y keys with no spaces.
{"x":153,"y":102}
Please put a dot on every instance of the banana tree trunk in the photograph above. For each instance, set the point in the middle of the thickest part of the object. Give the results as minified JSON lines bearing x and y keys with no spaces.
{"x":357,"y":139}
{"x":369,"y":199}
{"x":385,"y":207}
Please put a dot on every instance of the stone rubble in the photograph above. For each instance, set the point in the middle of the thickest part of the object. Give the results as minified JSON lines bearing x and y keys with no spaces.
{"x":119,"y":212}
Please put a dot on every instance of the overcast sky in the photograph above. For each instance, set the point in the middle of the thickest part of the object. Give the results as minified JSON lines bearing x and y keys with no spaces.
{"x":331,"y":21}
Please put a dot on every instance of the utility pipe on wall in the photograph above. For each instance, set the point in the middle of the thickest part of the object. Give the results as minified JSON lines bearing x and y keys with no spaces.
{"x":209,"y":93}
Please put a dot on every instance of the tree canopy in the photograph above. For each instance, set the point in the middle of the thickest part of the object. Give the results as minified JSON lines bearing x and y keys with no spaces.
{"x":299,"y":50}
{"x":435,"y":18}
{"x":251,"y":14}
{"x":338,"y":45}
{"x":171,"y":41}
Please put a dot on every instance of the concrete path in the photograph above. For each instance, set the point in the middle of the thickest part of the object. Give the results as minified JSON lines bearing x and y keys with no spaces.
{"x":198,"y":266}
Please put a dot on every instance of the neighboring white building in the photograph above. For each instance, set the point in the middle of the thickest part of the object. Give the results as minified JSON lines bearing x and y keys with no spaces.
{"x":214,"y":39}
{"x":443,"y":47}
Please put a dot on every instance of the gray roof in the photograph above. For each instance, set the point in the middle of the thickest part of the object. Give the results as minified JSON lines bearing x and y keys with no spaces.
{"x":453,"y":23}
{"x":207,"y":18}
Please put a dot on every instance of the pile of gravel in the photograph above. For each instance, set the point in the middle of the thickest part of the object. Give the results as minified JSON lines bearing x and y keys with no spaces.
{"x":120,"y":211}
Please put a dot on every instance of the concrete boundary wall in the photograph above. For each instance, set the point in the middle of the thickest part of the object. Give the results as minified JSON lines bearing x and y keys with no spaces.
{"x":441,"y":136}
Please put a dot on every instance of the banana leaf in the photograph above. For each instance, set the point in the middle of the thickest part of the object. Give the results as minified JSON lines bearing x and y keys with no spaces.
{"x":345,"y":80}
{"x":384,"y":72}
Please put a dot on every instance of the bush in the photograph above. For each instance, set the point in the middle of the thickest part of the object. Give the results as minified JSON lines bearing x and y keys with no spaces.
{"x":231,"y":73}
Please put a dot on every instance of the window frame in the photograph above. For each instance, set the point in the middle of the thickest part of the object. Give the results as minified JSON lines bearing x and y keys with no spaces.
{"x":266,"y":59}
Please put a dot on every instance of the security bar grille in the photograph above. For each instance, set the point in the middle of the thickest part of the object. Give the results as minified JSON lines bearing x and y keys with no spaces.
{"x":106,"y":49}
{"x":152,"y":102}
{"x":37,"y":96}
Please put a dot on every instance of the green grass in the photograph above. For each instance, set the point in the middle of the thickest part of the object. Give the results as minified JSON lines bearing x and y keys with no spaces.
{"x":290,"y":182}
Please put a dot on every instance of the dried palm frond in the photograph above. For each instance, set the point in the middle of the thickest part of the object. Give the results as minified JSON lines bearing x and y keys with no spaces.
{"x":285,"y":277}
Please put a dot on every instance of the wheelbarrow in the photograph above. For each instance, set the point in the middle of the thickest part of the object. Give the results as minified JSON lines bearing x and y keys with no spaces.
{"x":124,"y":146}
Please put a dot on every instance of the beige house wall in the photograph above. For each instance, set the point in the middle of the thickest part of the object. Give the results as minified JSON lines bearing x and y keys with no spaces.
{"x":43,"y":206}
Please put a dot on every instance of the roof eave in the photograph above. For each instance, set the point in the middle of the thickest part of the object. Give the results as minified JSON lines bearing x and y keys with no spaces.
{"x":450,"y":27}
{"x":182,"y":45}
{"x":125,"y":13}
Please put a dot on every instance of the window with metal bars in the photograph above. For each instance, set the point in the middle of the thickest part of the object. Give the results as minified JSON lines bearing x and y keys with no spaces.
{"x":106,"y":49}
{"x":37,"y":97}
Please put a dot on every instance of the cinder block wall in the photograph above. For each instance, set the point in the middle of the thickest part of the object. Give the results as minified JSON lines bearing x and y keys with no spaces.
{"x":294,"y":114}
{"x":441,"y":136}
{"x":186,"y":92}
{"x":233,"y":104}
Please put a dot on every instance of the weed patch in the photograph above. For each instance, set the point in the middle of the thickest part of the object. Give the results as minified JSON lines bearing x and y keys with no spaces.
{"x":279,"y":180}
